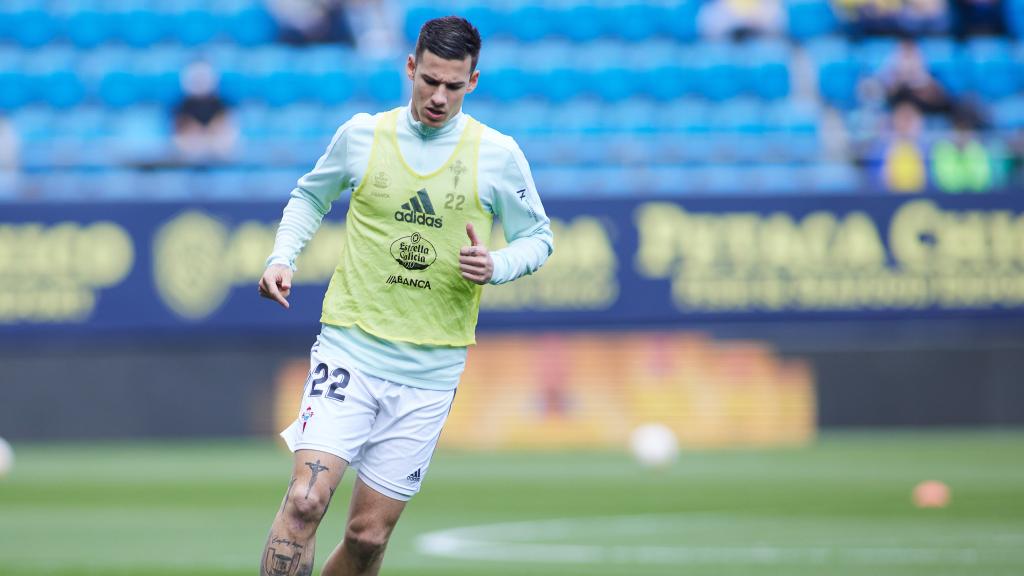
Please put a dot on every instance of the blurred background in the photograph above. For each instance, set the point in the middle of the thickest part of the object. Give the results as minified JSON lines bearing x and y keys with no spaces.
{"x":790,"y":231}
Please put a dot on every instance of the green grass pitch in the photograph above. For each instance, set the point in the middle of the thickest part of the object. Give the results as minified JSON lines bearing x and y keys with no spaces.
{"x":839,"y":507}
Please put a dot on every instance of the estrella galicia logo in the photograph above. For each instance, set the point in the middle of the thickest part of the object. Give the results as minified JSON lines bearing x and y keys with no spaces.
{"x":419,"y":210}
{"x":413,"y":252}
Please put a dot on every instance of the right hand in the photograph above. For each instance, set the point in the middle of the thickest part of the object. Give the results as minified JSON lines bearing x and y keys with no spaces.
{"x":276,"y":283}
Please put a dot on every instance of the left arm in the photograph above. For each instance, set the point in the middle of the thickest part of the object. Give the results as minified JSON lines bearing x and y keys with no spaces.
{"x":527,"y":227}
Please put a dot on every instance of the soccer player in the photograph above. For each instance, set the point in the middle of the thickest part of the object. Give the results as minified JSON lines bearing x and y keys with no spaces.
{"x":426,"y":180}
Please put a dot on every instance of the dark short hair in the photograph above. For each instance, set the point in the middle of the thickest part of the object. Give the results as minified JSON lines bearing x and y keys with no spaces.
{"x":451,"y":38}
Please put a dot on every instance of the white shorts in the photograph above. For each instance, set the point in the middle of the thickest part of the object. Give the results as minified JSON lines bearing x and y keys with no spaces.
{"x":387,"y":431}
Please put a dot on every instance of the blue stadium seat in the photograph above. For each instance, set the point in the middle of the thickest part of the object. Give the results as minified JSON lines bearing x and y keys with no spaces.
{"x":415,"y":16}
{"x":993,"y":67}
{"x":719,"y":76}
{"x":767,"y":74}
{"x":140,"y":135}
{"x":89,"y":27}
{"x":15,"y":86}
{"x":32,"y":27}
{"x":195,"y":26}
{"x":34,"y":124}
{"x":838,"y":72}
{"x":946,"y":61}
{"x":662,"y":72}
{"x":578,"y":23}
{"x":529,"y":22}
{"x":873,"y":53}
{"x":528,"y":117}
{"x":487,"y":20}
{"x":110,"y":75}
{"x":158,"y":70}
{"x":1008,"y":114}
{"x":55,"y":80}
{"x":635,"y":21}
{"x":680,"y":21}
{"x":1014,"y":11}
{"x":810,"y":18}
{"x":835,"y":178}
{"x":794,"y":128}
{"x":251,"y":25}
{"x":740,"y":130}
{"x":326,"y":73}
{"x":611,"y":77}
{"x":273,"y":74}
{"x":236,"y":83}
{"x":774,"y":179}
{"x":384,"y":82}
{"x":141,"y":27}
{"x":549,"y":68}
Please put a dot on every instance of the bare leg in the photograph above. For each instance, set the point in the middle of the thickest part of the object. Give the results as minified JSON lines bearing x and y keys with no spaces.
{"x":289,"y":548}
{"x":371,"y":518}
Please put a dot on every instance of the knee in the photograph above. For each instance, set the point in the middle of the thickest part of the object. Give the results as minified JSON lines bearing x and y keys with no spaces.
{"x":366,"y":542}
{"x":308,"y":508}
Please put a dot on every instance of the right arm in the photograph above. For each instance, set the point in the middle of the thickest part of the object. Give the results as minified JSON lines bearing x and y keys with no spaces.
{"x":310,"y":201}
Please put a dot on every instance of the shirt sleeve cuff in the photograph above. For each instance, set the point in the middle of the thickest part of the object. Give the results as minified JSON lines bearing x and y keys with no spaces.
{"x":500,"y":272}
{"x":280,"y":260}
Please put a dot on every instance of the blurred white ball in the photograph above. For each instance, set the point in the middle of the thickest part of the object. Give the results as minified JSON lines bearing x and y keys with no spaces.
{"x":654,"y":444}
{"x":6,"y":458}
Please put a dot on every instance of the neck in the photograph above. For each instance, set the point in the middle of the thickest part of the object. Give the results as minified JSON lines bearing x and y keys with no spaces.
{"x":425,"y":131}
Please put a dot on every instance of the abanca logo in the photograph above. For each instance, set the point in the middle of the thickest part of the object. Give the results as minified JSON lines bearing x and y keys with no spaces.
{"x":419,"y":210}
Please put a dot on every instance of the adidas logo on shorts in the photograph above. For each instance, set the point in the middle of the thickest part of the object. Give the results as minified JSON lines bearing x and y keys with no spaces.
{"x":414,"y":477}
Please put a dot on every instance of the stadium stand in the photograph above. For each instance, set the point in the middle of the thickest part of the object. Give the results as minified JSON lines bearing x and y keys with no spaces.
{"x":622,"y":93}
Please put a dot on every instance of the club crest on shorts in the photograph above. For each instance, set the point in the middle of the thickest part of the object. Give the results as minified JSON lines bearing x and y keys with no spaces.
{"x":306,"y":415}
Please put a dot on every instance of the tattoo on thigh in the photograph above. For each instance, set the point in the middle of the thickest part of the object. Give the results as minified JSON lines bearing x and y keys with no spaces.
{"x":317,"y":469}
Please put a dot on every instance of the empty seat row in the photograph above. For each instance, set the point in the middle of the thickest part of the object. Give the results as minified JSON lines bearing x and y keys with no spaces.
{"x":140,"y":25}
{"x":63,"y":77}
{"x":587,"y":21}
{"x":247,"y":184}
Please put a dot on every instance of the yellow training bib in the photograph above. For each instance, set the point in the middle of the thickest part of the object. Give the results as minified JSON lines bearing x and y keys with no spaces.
{"x":399,"y":277}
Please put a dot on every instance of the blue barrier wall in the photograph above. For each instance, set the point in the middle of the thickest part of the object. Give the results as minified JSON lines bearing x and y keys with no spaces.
{"x":164,"y":268}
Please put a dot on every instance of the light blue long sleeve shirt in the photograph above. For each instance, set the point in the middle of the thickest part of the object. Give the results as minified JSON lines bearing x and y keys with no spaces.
{"x":506,"y":189}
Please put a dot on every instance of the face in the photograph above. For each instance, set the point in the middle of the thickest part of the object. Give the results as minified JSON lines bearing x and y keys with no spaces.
{"x":438,"y":86}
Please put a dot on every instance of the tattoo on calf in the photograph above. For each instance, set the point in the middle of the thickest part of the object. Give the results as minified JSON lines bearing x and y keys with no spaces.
{"x":277,"y":564}
{"x":291,"y":543}
{"x":317,"y":469}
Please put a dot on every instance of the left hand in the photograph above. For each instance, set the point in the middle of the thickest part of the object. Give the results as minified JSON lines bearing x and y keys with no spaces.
{"x":475,"y":261}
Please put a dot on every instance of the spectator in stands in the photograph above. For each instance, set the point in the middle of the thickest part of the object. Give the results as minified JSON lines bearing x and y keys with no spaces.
{"x":960,"y":162}
{"x":312,"y":21}
{"x":740,"y":19}
{"x":906,"y":78}
{"x":908,"y":17}
{"x":204,"y":130}
{"x":979,"y":17}
{"x":375,"y":25}
{"x":903,"y":161}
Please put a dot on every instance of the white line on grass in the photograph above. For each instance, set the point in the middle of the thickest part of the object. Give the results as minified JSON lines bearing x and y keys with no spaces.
{"x":498,"y":542}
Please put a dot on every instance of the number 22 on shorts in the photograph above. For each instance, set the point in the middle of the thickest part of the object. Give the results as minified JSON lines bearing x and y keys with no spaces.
{"x":339,"y":378}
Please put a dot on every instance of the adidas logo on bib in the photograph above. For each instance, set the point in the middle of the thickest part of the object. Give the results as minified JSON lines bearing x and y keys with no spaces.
{"x":414,"y":477}
{"x":419,"y":210}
